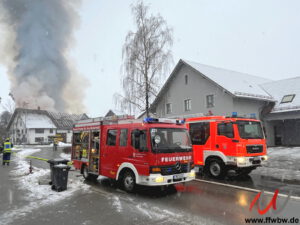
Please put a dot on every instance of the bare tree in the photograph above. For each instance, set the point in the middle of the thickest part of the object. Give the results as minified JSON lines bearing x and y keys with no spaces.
{"x":9,"y":105}
{"x":4,"y":120}
{"x":146,"y":56}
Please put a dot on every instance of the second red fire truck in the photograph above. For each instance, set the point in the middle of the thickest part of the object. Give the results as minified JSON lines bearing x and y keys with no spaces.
{"x":227,"y":143}
{"x":151,"y":152}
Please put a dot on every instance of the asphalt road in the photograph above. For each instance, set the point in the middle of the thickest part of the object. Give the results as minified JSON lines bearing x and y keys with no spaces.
{"x":195,"y":202}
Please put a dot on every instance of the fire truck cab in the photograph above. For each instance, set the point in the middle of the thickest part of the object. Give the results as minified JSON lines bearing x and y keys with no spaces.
{"x":151,"y":152}
{"x":227,"y":143}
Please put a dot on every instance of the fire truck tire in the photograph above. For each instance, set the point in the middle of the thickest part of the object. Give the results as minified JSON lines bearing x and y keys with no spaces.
{"x":87,"y":175}
{"x":128,"y":181}
{"x":216,"y":168}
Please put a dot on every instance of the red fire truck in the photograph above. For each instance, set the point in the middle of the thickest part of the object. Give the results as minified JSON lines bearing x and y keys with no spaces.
{"x":150,"y":152}
{"x":227,"y":143}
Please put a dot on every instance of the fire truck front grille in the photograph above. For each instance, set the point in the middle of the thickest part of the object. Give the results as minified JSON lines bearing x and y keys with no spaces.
{"x":175,"y":169}
{"x":254,"y":148}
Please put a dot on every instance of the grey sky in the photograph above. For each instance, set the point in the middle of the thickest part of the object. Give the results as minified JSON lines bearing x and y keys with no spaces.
{"x":258,"y":37}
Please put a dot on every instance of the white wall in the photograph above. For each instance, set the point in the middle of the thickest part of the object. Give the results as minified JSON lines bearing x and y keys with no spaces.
{"x":18,"y":131}
{"x":32,"y":135}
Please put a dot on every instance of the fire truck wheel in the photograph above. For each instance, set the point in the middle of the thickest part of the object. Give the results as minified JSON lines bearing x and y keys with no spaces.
{"x":87,"y":175}
{"x":216,"y":168}
{"x":129,"y":181}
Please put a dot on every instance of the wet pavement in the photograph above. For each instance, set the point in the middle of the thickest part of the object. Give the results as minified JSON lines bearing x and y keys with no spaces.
{"x":104,"y":202}
{"x":258,"y":182}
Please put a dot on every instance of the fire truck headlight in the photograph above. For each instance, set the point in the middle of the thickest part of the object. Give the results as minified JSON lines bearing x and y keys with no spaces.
{"x":241,"y":160}
{"x":159,"y":179}
{"x":264,"y":158}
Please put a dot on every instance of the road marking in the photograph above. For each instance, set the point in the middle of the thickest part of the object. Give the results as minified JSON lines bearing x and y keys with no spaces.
{"x":246,"y":189}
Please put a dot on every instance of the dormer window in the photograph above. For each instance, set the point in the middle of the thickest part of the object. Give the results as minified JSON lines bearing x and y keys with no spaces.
{"x":287,"y":98}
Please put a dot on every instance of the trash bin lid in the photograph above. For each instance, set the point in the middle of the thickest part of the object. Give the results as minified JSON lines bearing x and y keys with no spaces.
{"x":62,"y":166}
{"x":58,"y":161}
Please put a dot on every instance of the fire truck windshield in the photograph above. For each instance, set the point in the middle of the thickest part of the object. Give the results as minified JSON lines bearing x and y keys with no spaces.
{"x":168,"y":140}
{"x":250,"y":129}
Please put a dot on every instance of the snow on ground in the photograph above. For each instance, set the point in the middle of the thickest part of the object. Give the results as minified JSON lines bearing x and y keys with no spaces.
{"x":283,"y":164}
{"x":37,"y":195}
{"x":62,"y":144}
{"x":117,"y":204}
{"x":65,"y":156}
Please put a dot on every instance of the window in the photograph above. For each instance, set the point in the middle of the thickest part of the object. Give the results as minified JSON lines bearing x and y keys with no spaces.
{"x":76,"y":138}
{"x":199,"y":133}
{"x":287,"y":98}
{"x":170,"y":140}
{"x":226,"y":129}
{"x":39,"y":139}
{"x":210,"y":101}
{"x":51,"y":131}
{"x":39,"y":131}
{"x":168,"y":108}
{"x":250,"y":129}
{"x":123,"y":137}
{"x":111,"y":137}
{"x":139,"y":141}
{"x":187,"y":105}
{"x":186,"y":79}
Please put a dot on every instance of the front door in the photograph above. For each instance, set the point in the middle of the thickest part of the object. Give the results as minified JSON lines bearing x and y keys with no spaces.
{"x":278,"y":134}
{"x":224,"y":139}
{"x":139,"y":150}
{"x":108,"y":152}
{"x":200,"y":137}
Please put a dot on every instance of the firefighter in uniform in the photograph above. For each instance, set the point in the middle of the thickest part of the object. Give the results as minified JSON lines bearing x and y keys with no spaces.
{"x":7,"y":151}
{"x":84,"y":153}
{"x":55,"y":143}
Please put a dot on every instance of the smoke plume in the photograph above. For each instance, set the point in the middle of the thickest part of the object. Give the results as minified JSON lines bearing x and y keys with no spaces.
{"x":38,"y":35}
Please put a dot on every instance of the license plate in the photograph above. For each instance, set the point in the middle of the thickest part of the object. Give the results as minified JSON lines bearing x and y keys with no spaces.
{"x":256,"y":158}
{"x":178,"y":176}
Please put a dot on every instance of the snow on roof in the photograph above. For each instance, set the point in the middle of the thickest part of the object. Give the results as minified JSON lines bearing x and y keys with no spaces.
{"x":279,"y":89}
{"x":238,"y":84}
{"x":38,"y":121}
{"x":38,"y":118}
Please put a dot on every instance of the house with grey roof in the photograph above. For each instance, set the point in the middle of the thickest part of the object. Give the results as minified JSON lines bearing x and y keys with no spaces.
{"x":283,"y":121}
{"x":36,"y":126}
{"x":194,"y":88}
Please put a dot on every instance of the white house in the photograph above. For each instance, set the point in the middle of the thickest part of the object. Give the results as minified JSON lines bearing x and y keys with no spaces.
{"x":35,"y":126}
